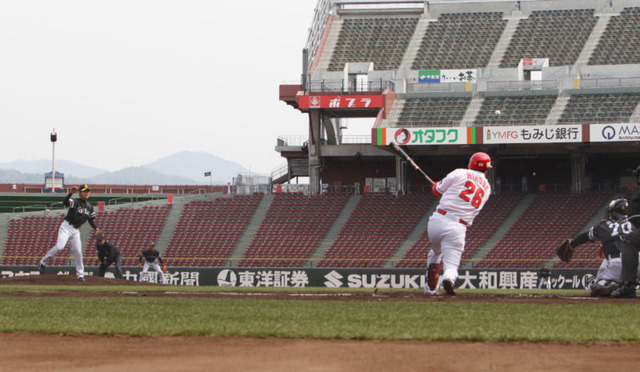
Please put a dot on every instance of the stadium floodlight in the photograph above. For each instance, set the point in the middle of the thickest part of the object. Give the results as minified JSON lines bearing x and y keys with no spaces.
{"x":54,"y":138}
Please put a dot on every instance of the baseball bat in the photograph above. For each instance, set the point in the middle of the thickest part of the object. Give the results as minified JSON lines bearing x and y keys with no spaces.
{"x":408,"y":159}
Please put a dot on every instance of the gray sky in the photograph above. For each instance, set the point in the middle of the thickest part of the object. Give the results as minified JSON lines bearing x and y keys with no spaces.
{"x":126,"y":82}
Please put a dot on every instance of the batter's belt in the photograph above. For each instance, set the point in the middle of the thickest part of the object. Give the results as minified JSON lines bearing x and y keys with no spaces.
{"x":451,"y":217}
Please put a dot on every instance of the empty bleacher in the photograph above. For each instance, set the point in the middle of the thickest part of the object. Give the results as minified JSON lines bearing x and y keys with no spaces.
{"x":376,"y":228}
{"x":433,"y":112}
{"x":600,"y":108}
{"x":208,"y":230}
{"x":532,"y":239}
{"x":515,"y":110}
{"x":460,"y":40}
{"x":559,"y":35}
{"x":620,"y":43}
{"x":129,"y":229}
{"x":382,"y":41}
{"x":30,"y":237}
{"x":292,"y":229}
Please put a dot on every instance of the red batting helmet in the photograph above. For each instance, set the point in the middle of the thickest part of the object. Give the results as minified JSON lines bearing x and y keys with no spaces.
{"x":480,"y":161}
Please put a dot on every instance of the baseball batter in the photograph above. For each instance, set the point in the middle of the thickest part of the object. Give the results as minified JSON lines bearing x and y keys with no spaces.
{"x":610,"y":232}
{"x":80,"y":211}
{"x":150,"y":256}
{"x":463,"y":193}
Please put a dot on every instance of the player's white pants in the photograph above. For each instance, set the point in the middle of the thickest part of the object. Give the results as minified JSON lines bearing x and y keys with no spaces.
{"x":610,"y":270}
{"x":447,"y":244}
{"x":545,"y":282}
{"x":68,"y":233}
{"x":155,"y":267}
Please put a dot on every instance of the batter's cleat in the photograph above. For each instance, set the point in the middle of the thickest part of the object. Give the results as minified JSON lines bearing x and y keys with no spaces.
{"x":81,"y":278}
{"x":625,"y":291}
{"x":429,"y":292}
{"x":449,"y":287}
{"x":41,"y":269}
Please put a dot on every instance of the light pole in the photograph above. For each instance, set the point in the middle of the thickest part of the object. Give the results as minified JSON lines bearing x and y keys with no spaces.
{"x":54,"y":138}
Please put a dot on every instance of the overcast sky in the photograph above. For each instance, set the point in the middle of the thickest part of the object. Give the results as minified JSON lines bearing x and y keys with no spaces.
{"x":126,"y":82}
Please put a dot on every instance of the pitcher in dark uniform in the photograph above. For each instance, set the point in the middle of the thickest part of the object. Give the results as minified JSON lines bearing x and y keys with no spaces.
{"x":80,"y":211}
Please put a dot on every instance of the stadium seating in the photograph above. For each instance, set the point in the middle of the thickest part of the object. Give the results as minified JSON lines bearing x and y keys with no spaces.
{"x":620,"y":43}
{"x":293,"y":227}
{"x":600,"y":108}
{"x":492,"y":216}
{"x":559,"y":35}
{"x":208,"y":230}
{"x":129,"y":229}
{"x":433,"y":112}
{"x":459,"y":41}
{"x":382,"y":41}
{"x":376,"y":228}
{"x":512,"y":110}
{"x":30,"y":237}
{"x":534,"y":236}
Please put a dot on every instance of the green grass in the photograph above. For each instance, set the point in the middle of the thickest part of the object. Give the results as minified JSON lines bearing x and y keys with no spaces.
{"x":374,"y":320}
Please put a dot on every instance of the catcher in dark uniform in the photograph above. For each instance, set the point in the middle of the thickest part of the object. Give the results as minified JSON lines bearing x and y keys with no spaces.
{"x":610,"y":231}
{"x":108,"y":254}
{"x":631,"y":246}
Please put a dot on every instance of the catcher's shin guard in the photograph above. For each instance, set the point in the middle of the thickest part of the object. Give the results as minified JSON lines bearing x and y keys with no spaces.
{"x":433,"y":275}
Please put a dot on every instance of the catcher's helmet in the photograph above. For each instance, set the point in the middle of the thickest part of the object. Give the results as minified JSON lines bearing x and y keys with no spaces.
{"x":618,"y":209}
{"x":480,"y":161}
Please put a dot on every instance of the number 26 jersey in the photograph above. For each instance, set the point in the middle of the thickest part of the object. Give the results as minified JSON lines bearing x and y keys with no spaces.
{"x":464,"y":193}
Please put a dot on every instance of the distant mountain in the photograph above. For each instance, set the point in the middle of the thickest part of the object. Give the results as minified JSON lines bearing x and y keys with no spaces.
{"x":193,"y":165}
{"x":140,"y":176}
{"x":14,"y":176}
{"x":183,"y":168}
{"x":69,"y":168}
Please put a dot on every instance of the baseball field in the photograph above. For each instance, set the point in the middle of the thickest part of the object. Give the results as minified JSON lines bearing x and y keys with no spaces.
{"x":52,"y":322}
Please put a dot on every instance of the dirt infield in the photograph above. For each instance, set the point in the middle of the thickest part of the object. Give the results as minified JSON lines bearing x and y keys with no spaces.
{"x":68,"y":353}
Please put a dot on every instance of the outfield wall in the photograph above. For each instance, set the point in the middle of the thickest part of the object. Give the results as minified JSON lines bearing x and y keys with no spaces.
{"x":333,"y":277}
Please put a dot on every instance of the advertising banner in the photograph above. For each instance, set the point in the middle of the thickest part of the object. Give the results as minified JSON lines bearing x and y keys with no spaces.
{"x":447,"y":76}
{"x":425,"y":136}
{"x":614,"y":132}
{"x":532,"y":134}
{"x":336,"y":277}
{"x":340,"y":102}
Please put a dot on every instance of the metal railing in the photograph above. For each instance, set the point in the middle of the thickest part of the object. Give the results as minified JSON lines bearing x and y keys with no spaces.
{"x":300,"y":140}
{"x":328,"y":86}
{"x":134,"y":198}
{"x":610,"y":82}
{"x":522,"y":85}
{"x":280,"y":171}
{"x":438,"y":87}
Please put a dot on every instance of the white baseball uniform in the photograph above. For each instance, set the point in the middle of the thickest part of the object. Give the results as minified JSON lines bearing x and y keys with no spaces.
{"x":68,"y":233}
{"x":154,"y":266}
{"x":464,"y":193}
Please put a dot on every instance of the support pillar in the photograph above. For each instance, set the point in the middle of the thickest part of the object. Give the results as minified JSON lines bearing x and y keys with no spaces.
{"x":315,"y":160}
{"x":578,"y":166}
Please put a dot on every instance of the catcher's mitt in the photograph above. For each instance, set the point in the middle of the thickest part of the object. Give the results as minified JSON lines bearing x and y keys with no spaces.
{"x":565,"y":250}
{"x":164,"y":269}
